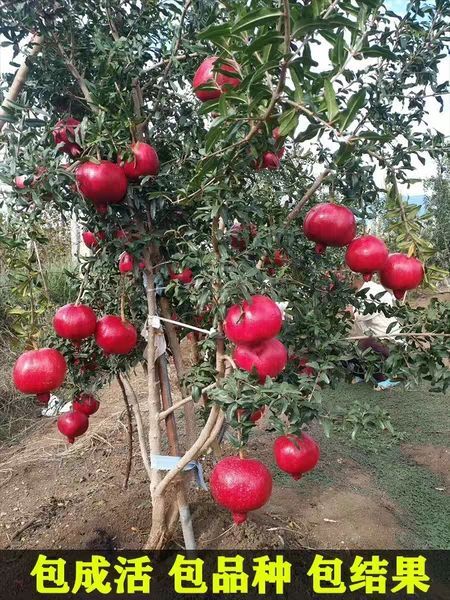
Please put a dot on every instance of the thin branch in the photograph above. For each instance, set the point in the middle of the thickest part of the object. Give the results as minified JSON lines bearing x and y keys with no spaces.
{"x":20,"y":78}
{"x":132,"y":397}
{"x":163,"y":414}
{"x":176,"y":46}
{"x":162,"y":63}
{"x":397,"y":335}
{"x":129,"y":431}
{"x":77,"y":75}
{"x":308,"y":194}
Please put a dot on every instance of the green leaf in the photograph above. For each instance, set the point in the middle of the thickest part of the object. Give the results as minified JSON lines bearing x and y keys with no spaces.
{"x":377,"y":51}
{"x":355,"y":103}
{"x":215,"y":31}
{"x":288,"y":122}
{"x":269,"y":39}
{"x":263,"y":16}
{"x":338,"y":52}
{"x":330,"y":99}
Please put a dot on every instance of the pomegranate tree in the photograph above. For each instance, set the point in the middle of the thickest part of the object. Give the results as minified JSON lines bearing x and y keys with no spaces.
{"x":329,"y":225}
{"x":366,"y":255}
{"x":296,"y":455}
{"x":240,"y":485}
{"x":401,"y":273}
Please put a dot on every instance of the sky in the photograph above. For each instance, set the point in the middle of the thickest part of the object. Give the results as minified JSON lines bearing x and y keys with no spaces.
{"x":436,"y":120}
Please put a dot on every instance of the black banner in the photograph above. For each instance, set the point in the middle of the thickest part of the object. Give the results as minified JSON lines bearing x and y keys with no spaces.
{"x":326,"y":574}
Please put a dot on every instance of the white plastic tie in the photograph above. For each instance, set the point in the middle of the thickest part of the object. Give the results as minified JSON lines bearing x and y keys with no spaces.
{"x":156,"y":324}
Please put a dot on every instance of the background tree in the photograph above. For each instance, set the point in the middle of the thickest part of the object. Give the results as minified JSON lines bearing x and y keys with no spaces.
{"x":124,"y":69}
{"x":438,"y":204}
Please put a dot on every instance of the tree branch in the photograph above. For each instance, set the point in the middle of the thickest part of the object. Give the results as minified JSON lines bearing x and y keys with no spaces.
{"x":176,"y":46}
{"x":129,"y":431}
{"x":308,"y":194}
{"x":20,"y":77}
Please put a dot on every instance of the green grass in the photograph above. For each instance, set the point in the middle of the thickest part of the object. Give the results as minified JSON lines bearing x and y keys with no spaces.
{"x":419,"y":418}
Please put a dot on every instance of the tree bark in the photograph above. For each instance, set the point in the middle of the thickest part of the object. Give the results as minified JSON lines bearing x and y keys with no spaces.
{"x":20,"y":77}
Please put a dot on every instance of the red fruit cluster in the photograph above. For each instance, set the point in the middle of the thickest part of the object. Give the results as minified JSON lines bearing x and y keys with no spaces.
{"x":252,"y":325}
{"x":335,"y":225}
{"x":244,"y":484}
{"x":64,"y":134}
{"x":238,"y":235}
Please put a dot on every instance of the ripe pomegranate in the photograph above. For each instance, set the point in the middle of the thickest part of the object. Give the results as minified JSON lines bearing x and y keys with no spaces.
{"x":301,"y":362}
{"x":64,"y":133}
{"x":186,"y":276}
{"x":91,"y":240}
{"x":103,"y":183}
{"x":253,"y":321}
{"x":75,"y":322}
{"x":296,"y":455}
{"x":39,"y":371}
{"x":121,"y":234}
{"x":366,"y":254}
{"x":329,"y":225}
{"x":401,"y":273}
{"x":43,"y":398}
{"x":254,"y":417}
{"x":145,"y":162}
{"x":269,"y":358}
{"x":278,"y":142}
{"x":20,"y":180}
{"x":270,"y":161}
{"x":240,"y":485}
{"x":115,"y":336}
{"x":238,"y":241}
{"x":126,"y":262}
{"x":279,"y":259}
{"x":86,"y":403}
{"x":73,"y":424}
{"x":213,"y":82}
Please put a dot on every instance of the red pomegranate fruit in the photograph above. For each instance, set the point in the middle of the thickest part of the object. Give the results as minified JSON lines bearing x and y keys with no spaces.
{"x":254,"y":417}
{"x":296,"y":455}
{"x":330,"y":225}
{"x":253,"y":321}
{"x":115,"y":336}
{"x":86,"y":403}
{"x":43,"y":398}
{"x":64,"y":133}
{"x":240,"y":485}
{"x":269,"y":358}
{"x":186,"y":276}
{"x":366,"y":254}
{"x":238,"y":235}
{"x":401,"y":273}
{"x":91,"y":240}
{"x":103,"y":183}
{"x":209,"y":84}
{"x":126,"y":262}
{"x":145,"y":162}
{"x":39,"y":371}
{"x":75,"y":322}
{"x":73,"y":424}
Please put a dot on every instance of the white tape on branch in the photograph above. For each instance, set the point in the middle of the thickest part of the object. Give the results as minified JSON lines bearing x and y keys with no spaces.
{"x":156,"y":324}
